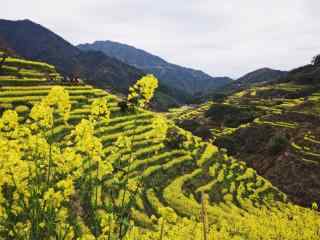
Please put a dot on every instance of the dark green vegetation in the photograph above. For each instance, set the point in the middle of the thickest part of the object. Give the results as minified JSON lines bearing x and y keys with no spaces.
{"x":273,"y":127}
{"x":185,"y":79}
{"x":231,"y":115}
{"x":167,"y":97}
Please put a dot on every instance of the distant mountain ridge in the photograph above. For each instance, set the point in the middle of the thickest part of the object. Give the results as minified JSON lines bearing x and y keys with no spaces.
{"x":31,"y":40}
{"x":186,"y":79}
{"x":261,"y":75}
{"x":126,"y":53}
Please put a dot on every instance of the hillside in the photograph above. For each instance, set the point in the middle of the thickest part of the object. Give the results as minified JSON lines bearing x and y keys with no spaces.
{"x":273,"y":127}
{"x":263,"y":75}
{"x":166,"y":175}
{"x":257,"y":77}
{"x":33,"y":41}
{"x":171,"y":172}
{"x":175,"y":76}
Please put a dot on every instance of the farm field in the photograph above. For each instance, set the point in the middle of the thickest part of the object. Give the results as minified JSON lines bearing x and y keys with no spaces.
{"x":272,"y":127}
{"x":97,"y":170}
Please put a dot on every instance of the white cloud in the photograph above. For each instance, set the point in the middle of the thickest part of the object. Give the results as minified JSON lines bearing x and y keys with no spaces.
{"x":220,"y":37}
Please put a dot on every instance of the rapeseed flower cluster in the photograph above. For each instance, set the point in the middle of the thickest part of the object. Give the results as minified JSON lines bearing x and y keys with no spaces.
{"x":100,"y":110}
{"x":142,"y":92}
{"x":160,"y":128}
{"x":44,"y":183}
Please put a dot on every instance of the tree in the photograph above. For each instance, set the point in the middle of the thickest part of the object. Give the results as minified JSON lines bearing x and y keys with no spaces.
{"x":316,"y":60}
{"x":3,"y":56}
{"x":142,"y":91}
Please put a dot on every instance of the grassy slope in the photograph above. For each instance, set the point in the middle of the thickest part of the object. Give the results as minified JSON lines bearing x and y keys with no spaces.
{"x":172,"y":176}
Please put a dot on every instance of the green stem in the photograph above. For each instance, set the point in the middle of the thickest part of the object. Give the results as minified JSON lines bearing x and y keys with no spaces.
{"x":97,"y":186}
{"x":50,"y":153}
{"x":162,"y":229}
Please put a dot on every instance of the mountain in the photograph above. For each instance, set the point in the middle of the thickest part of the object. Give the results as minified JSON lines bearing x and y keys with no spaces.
{"x":175,"y":76}
{"x":31,"y":40}
{"x":259,"y":76}
{"x":5,"y":47}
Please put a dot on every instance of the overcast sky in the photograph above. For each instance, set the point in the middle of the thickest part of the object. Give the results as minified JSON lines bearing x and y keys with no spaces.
{"x":228,"y":38}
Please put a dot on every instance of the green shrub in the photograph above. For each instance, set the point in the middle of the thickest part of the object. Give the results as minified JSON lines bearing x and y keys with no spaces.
{"x":177,"y":138}
{"x":228,"y":143}
{"x":278,"y":144}
{"x":22,"y":109}
{"x":6,"y":105}
{"x":232,"y":116}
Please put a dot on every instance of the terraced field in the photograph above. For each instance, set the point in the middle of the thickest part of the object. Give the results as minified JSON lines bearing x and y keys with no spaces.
{"x":174,"y":176}
{"x":284,"y":120}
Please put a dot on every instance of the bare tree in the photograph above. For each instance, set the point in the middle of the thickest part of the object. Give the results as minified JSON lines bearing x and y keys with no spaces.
{"x":4,"y":56}
{"x":316,"y":60}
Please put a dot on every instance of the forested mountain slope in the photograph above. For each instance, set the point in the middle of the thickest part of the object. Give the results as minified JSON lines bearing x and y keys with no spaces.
{"x":259,"y":76}
{"x":254,"y":78}
{"x":186,"y":79}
